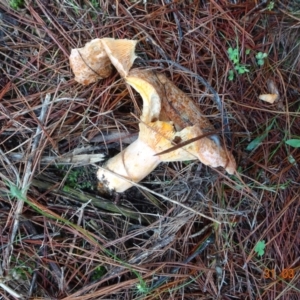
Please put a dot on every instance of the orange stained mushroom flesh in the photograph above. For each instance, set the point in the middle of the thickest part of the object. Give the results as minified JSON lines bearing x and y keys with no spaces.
{"x":168,"y":117}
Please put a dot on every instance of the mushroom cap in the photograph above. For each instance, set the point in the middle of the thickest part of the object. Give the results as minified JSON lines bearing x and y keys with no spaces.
{"x":90,"y":63}
{"x":94,"y":61}
{"x":161,"y":136}
{"x":121,"y":53}
{"x":211,"y":153}
{"x":179,"y":108}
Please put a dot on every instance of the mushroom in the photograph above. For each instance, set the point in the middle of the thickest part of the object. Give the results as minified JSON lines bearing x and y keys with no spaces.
{"x":168,"y":117}
{"x":156,"y":135}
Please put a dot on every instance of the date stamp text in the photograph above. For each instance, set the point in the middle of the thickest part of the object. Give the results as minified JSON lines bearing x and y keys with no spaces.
{"x":285,"y":274}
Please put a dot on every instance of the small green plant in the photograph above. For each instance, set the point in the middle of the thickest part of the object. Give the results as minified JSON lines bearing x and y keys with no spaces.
{"x":98,"y":273}
{"x":21,"y":269}
{"x":74,"y":7}
{"x":271,"y":5}
{"x":233,"y":54}
{"x":241,"y":69}
{"x":16,"y":4}
{"x":95,"y":3}
{"x":77,"y":178}
{"x":22,"y":272}
{"x":260,"y":58}
{"x":230,"y":75}
{"x":260,"y":248}
{"x":142,"y":287}
{"x":72,"y":178}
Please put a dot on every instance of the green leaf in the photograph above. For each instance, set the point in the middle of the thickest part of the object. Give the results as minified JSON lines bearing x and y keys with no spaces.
{"x":16,"y":4}
{"x":271,"y":5}
{"x":99,"y":272}
{"x":260,"y":248}
{"x":260,"y":56}
{"x":292,"y":160}
{"x":293,"y":143}
{"x":241,"y":69}
{"x":256,"y":142}
{"x":260,"y":62}
{"x":233,"y":55}
{"x":248,"y":51}
{"x":229,"y":51}
{"x":66,"y":188}
{"x":230,"y":75}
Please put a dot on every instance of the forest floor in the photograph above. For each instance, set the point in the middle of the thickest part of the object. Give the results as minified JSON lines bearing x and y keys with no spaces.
{"x":186,"y":231}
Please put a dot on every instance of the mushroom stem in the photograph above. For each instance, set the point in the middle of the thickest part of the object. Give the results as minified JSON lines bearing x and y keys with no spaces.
{"x":134,"y":163}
